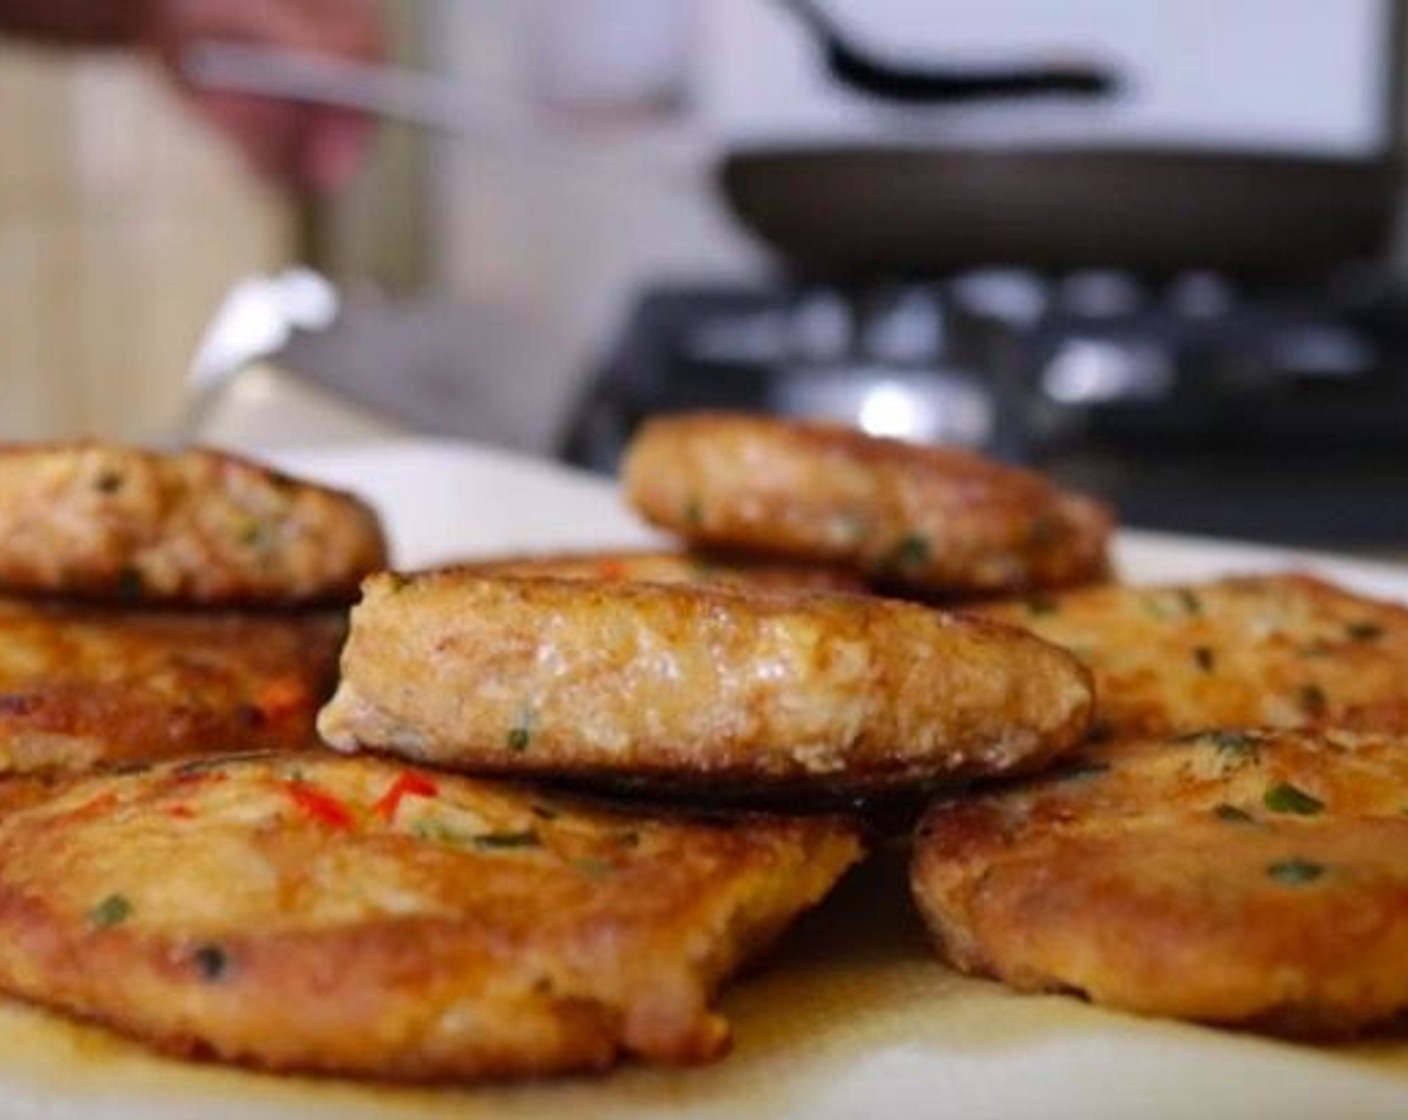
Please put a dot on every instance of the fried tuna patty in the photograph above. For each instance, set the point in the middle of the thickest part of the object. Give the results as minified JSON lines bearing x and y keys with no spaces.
{"x":353,"y":916}
{"x":695,"y":685}
{"x":194,"y":527}
{"x":1249,"y":878}
{"x":83,"y":685}
{"x":1280,"y":650}
{"x":670,"y":567}
{"x":931,"y":518}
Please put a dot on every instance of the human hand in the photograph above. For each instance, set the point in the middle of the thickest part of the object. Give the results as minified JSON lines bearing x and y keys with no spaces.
{"x":305,"y":146}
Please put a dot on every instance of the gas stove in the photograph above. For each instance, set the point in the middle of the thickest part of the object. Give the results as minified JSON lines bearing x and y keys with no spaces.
{"x":1192,"y":404}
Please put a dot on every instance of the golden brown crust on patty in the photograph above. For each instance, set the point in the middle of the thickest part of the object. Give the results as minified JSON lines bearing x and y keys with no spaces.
{"x":669,"y":567}
{"x":705,"y":685}
{"x":84,"y":685}
{"x":1278,"y":651}
{"x":935,"y":519}
{"x":1249,"y":878}
{"x":354,"y":916}
{"x":193,"y":527}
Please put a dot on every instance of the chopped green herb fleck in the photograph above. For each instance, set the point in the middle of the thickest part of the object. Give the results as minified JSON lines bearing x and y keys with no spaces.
{"x":109,"y":482}
{"x":134,"y":767}
{"x":593,"y":867}
{"x":256,"y":534}
{"x":1313,"y":701}
{"x":1159,"y":605}
{"x":1233,"y":815}
{"x":1205,"y":657}
{"x":1364,"y":631}
{"x":438,"y":832}
{"x":1295,"y":872}
{"x":693,"y":512}
{"x":215,"y":763}
{"x":1100,"y":732}
{"x":521,"y":733}
{"x":211,"y":962}
{"x":909,"y":553}
{"x":1174,"y":602}
{"x":846,"y":528}
{"x":111,"y":911}
{"x":1228,"y":742}
{"x":1038,"y":605}
{"x":129,"y":585}
{"x":199,"y":766}
{"x":527,"y":838}
{"x":1081,"y":771}
{"x":1046,"y":531}
{"x":1286,"y":798}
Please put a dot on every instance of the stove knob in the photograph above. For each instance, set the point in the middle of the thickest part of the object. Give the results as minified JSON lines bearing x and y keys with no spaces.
{"x":1086,"y":372}
{"x":1201,"y":295}
{"x":1099,"y":293}
{"x":1012,"y":297}
{"x":822,"y":329}
{"x":906,"y":330}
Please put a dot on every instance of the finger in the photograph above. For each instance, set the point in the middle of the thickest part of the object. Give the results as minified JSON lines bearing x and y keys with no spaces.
{"x":333,"y":148}
{"x":350,"y":28}
{"x":268,"y":133}
{"x":304,"y":146}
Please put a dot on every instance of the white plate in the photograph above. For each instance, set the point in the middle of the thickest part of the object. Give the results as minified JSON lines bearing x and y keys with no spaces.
{"x":853,"y":1018}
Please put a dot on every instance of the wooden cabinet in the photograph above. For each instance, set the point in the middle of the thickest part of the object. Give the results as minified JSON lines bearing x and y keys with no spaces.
{"x":122,"y":223}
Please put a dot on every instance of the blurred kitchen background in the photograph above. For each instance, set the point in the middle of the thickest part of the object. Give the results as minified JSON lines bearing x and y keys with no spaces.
{"x":1149,"y":246}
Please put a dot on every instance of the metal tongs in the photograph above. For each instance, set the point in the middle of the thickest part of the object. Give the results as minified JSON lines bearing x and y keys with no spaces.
{"x":449,"y":106}
{"x":391,"y":92}
{"x":905,"y":84}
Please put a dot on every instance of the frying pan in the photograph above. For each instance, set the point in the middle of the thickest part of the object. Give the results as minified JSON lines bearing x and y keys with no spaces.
{"x":917,"y":210}
{"x":929,"y":210}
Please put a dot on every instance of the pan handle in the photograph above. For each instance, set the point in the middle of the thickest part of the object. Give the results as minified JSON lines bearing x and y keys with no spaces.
{"x":931,"y":85}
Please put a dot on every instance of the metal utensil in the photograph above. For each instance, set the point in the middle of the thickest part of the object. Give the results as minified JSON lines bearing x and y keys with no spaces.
{"x":423,"y":364}
{"x":391,"y":92}
{"x":441,"y":105}
{"x":856,"y":67}
{"x":912,"y":211}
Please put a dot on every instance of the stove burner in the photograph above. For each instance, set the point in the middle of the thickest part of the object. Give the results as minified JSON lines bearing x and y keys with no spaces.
{"x":1193,"y":405}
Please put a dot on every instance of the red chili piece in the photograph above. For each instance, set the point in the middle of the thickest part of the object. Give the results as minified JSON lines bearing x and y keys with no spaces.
{"x":98,"y":804}
{"x":281,"y":698}
{"x":406,"y":784}
{"x":320,"y":807}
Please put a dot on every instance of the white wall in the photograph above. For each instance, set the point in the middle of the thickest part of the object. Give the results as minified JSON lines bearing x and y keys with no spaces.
{"x":1262,"y":74}
{"x":122,"y":223}
{"x":557,"y":247}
